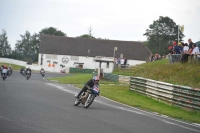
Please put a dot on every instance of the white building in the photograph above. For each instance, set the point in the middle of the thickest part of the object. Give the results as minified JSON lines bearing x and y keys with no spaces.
{"x":62,"y":53}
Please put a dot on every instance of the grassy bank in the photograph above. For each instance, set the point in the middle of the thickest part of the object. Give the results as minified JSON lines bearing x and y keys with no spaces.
{"x":121,"y":93}
{"x":187,"y":74}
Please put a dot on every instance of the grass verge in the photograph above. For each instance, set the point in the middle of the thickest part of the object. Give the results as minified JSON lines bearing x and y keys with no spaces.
{"x":14,"y":67}
{"x":123,"y":95}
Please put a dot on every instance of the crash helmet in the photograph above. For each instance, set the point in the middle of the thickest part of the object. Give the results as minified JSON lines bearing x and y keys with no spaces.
{"x":96,"y":79}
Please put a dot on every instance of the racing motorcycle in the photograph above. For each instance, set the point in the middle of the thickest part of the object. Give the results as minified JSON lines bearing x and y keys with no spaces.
{"x":87,"y":98}
{"x":9,"y":72}
{"x":4,"y":76}
{"x":28,"y":74}
{"x":42,"y":73}
{"x":23,"y":72}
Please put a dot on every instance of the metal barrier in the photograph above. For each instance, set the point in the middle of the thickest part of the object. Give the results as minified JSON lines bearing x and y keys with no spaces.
{"x":195,"y":58}
{"x":182,"y":96}
{"x":174,"y":58}
{"x":111,"y":77}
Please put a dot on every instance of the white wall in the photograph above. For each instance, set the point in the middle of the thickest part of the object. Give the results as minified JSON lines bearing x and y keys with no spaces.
{"x":20,"y":63}
{"x":135,"y":62}
{"x":89,"y":62}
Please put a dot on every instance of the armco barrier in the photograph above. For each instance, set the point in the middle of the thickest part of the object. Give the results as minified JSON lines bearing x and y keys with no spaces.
{"x":182,"y":96}
{"x":80,"y":70}
{"x":111,"y":77}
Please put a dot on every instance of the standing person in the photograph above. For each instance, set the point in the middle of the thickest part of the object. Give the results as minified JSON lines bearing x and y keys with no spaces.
{"x":125,"y":61}
{"x":122,"y":62}
{"x":195,"y":50}
{"x":116,"y":62}
{"x":190,"y":43}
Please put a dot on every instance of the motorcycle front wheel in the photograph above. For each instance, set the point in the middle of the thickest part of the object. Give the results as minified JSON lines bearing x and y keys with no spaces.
{"x":77,"y":102}
{"x":89,"y":100}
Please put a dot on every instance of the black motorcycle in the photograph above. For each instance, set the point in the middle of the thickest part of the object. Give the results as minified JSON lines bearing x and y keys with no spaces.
{"x":4,"y":76}
{"x":28,"y":75}
{"x":9,"y":72}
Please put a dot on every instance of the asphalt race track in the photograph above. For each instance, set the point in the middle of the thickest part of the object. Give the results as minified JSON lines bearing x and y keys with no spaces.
{"x":39,"y":106}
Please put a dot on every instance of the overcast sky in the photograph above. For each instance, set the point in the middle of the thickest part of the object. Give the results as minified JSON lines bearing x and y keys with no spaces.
{"x":112,"y":19}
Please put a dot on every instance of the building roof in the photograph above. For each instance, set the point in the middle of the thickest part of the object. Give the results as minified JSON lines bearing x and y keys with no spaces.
{"x":93,"y":47}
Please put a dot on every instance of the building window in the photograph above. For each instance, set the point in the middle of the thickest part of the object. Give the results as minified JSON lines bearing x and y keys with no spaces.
{"x":51,"y":56}
{"x":74,"y":58}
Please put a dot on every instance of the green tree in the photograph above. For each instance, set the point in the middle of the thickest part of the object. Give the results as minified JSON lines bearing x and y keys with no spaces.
{"x":52,"y":32}
{"x":86,"y":36}
{"x":161,"y":34}
{"x":26,"y":47}
{"x":5,"y":49}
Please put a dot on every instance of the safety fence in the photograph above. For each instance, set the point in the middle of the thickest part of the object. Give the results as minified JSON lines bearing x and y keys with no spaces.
{"x":195,"y":58}
{"x":182,"y":96}
{"x":111,"y":77}
{"x":80,"y":70}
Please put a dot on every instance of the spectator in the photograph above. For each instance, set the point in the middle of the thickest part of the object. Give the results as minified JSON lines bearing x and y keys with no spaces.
{"x":125,"y":61}
{"x":116,"y":62}
{"x":151,"y":57}
{"x":170,"y":48}
{"x":190,"y":43}
{"x":185,"y":53}
{"x":195,"y":49}
{"x":122,"y":63}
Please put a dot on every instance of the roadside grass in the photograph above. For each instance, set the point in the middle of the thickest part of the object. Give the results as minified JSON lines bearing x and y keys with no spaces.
{"x":186,"y":74}
{"x":122,"y":94}
{"x":14,"y":67}
{"x":79,"y":79}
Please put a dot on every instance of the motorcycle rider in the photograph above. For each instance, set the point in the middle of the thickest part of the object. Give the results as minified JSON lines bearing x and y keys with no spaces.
{"x":9,"y":70}
{"x":28,"y":69}
{"x":1,"y":69}
{"x":42,"y":70}
{"x":21,"y":70}
{"x":88,"y":85}
{"x":4,"y":71}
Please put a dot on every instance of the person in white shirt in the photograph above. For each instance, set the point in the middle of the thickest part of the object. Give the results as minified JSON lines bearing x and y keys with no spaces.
{"x":122,"y":62}
{"x":185,"y":52}
{"x":185,"y":49}
{"x":195,"y":50}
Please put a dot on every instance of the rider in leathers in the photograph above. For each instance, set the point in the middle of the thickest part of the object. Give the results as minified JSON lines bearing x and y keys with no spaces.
{"x":88,"y":85}
{"x":28,"y":69}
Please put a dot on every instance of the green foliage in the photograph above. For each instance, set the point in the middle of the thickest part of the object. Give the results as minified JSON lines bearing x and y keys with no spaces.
{"x":161,"y":34}
{"x":86,"y":36}
{"x":52,"y":32}
{"x":27,"y":47}
{"x":5,"y":49}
